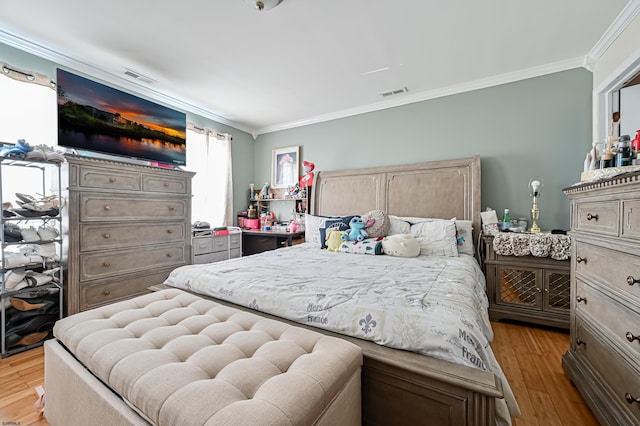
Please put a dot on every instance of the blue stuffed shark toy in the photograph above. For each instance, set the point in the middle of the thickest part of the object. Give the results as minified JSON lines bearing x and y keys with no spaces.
{"x":356,"y":232}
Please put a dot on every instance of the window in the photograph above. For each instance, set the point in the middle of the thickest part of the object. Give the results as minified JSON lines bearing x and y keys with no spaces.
{"x":209,"y":155}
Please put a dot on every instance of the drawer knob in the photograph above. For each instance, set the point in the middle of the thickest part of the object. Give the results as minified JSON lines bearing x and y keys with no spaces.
{"x":171,"y":208}
{"x":112,"y":179}
{"x":106,"y":236}
{"x":581,"y":259}
{"x":580,"y":342}
{"x":166,"y":184}
{"x":106,"y":264}
{"x":592,"y":216}
{"x":106,"y":292}
{"x":581,"y":299}
{"x":107,"y":207}
{"x":169,"y":255}
{"x":169,"y":231}
{"x":630,"y":337}
{"x":632,"y":281}
{"x":630,"y":399}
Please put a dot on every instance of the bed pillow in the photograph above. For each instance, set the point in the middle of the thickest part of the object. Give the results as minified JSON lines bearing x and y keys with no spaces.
{"x":398,"y":226}
{"x":437,"y":237}
{"x":464,"y":237}
{"x":341,"y":224}
{"x":380,"y":227}
{"x":312,"y":225}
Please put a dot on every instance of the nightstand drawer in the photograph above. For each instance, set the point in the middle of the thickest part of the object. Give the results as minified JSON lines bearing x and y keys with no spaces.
{"x":210,"y":257}
{"x":202,"y":245}
{"x":220,"y":244}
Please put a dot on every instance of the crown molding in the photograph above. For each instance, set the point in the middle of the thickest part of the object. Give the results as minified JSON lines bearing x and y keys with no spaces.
{"x":67,"y":61}
{"x":410,"y":98}
{"x":628,"y":13}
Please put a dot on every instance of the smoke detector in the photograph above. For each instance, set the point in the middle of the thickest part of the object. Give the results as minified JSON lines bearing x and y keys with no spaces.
{"x":263,"y":4}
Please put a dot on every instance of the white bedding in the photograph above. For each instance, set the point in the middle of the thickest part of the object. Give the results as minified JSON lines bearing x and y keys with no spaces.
{"x":433,"y":305}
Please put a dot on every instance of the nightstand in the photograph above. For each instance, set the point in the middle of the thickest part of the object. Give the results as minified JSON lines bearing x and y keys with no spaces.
{"x":527,"y":288}
{"x":210,"y":248}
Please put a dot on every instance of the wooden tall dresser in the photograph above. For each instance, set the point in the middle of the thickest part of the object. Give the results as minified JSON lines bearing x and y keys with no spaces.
{"x":604,"y":359}
{"x":127,"y":226}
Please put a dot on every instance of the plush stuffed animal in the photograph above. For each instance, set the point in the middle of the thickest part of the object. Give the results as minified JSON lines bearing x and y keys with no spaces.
{"x":306,"y":180}
{"x":334,"y":239}
{"x":356,"y":231}
{"x":401,"y":245}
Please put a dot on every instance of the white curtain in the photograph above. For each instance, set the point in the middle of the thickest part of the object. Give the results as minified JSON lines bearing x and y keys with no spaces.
{"x":209,"y":155}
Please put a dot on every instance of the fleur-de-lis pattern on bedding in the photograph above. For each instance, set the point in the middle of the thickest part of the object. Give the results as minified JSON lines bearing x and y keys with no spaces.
{"x":433,"y":305}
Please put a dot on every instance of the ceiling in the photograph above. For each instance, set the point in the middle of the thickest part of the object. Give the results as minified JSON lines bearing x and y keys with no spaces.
{"x":309,"y":61}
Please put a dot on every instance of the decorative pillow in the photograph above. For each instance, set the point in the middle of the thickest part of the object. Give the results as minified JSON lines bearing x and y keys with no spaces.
{"x":380,"y":227}
{"x":341,"y":224}
{"x":437,"y":237}
{"x":312,"y":225}
{"x":398,"y":226}
{"x":401,"y":245}
{"x":464,"y":237}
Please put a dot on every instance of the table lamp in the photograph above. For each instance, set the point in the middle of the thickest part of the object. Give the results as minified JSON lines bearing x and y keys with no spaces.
{"x":535,"y":188}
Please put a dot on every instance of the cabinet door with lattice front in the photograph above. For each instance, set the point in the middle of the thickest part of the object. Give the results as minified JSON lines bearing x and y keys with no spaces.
{"x":557,"y":291}
{"x":519,"y":286}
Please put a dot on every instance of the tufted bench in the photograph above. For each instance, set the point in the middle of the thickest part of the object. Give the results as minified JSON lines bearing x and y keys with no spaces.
{"x":173,"y":358}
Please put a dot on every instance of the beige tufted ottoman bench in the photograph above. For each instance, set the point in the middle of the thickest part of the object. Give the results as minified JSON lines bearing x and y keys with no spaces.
{"x":173,"y":358}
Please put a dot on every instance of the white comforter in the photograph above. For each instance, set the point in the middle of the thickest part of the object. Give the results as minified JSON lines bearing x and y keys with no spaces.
{"x":436,"y":306}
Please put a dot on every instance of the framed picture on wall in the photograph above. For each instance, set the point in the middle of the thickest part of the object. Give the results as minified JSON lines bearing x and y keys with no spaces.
{"x":285,"y":164}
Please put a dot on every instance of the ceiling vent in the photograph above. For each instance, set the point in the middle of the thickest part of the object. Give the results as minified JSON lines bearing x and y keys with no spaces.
{"x":394,"y":92}
{"x":138,"y":76}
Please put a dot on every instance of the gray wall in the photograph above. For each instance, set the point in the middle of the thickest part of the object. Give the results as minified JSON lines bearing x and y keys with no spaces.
{"x":242,"y":147}
{"x":540,"y":126}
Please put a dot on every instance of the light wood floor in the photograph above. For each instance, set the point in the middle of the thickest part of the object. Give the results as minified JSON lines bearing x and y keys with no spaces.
{"x":530,"y":358}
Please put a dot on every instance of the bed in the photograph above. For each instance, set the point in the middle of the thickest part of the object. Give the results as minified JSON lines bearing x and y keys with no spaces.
{"x":422,"y":322}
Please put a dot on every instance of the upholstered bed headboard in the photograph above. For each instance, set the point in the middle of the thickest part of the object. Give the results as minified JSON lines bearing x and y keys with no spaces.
{"x":438,"y":189}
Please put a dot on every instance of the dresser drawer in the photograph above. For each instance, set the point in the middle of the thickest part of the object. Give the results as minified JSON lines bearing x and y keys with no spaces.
{"x":101,"y":292}
{"x":210,"y":257}
{"x":620,"y":376}
{"x":631,"y":218}
{"x":99,"y":265}
{"x":597,"y":216}
{"x":96,"y":207}
{"x":608,"y":268}
{"x":617,"y":318}
{"x":202,"y":245}
{"x":89,"y":177}
{"x":177,"y":185}
{"x":235,"y":240}
{"x":220,"y":244}
{"x":116,"y":235}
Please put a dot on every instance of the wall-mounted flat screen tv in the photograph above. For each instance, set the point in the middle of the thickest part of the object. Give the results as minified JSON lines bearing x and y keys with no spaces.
{"x":99,"y":118}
